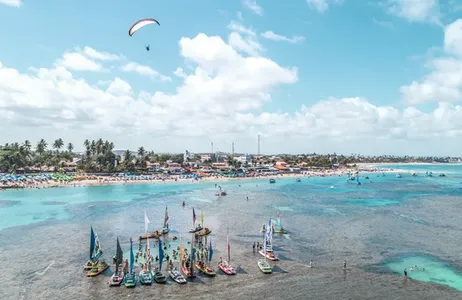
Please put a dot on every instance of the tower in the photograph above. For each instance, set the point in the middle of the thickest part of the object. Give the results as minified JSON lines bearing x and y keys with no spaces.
{"x":258,"y":145}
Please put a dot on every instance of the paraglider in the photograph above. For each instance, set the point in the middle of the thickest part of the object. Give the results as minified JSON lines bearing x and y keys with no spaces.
{"x":140,"y":24}
{"x":147,"y":47}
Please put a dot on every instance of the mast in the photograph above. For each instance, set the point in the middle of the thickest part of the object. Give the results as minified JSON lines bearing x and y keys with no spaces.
{"x":166,"y":218}
{"x":227,"y":242}
{"x":146,"y":222}
{"x":92,"y":242}
{"x":117,"y":258}
{"x":132,"y":257}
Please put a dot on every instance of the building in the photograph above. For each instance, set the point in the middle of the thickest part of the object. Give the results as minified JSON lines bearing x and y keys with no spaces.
{"x":243,"y":159}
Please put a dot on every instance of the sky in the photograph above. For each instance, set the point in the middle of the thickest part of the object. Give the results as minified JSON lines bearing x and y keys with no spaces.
{"x":372,"y":77}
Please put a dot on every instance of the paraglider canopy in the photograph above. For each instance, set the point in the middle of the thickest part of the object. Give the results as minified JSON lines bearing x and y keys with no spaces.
{"x":140,"y":24}
{"x":147,"y":47}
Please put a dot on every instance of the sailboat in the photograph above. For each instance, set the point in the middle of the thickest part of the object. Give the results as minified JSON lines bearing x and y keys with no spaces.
{"x":130,"y":278}
{"x":195,"y":228}
{"x":205,"y":231}
{"x":158,"y":276}
{"x":267,"y":250}
{"x":187,"y":264}
{"x":280,"y":229}
{"x":145,"y":274}
{"x":202,"y":267}
{"x":155,"y":235}
{"x":174,"y":273}
{"x":117,"y":278}
{"x":262,"y":263}
{"x":165,"y":229}
{"x":225,"y":265}
{"x":95,"y":250}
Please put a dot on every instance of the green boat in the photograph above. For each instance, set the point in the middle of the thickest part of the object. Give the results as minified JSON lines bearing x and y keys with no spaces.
{"x":264,"y":267}
{"x":272,"y":180}
{"x":130,"y":278}
{"x":145,"y":277}
{"x":159,"y":277}
{"x":280,"y":229}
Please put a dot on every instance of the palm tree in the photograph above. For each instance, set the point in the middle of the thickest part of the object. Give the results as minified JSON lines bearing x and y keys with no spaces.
{"x":99,"y":146}
{"x":41,"y":147}
{"x":58,"y":144}
{"x":70,"y":147}
{"x":86,"y":143}
{"x":27,"y":144}
{"x":141,"y":151}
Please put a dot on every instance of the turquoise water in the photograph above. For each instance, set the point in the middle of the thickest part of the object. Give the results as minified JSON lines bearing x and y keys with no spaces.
{"x":376,"y":223}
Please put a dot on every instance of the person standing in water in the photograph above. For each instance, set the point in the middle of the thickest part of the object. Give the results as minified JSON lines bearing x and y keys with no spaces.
{"x":405,"y":273}
{"x":344,"y":264}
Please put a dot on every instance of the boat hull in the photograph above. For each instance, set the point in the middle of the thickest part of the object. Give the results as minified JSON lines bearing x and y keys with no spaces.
{"x":264,"y":267}
{"x":205,"y":270}
{"x":116,"y":280}
{"x":177,"y":277}
{"x":159,"y":277}
{"x":145,"y":278}
{"x":226,"y":268}
{"x":281,"y":231}
{"x":101,"y":269}
{"x":130,"y":281}
{"x":187,"y":272}
{"x":269,"y":255}
{"x":204,"y":232}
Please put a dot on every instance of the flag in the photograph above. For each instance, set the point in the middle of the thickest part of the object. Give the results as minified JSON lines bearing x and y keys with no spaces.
{"x":194,"y":216}
{"x":146,"y":222}
{"x":210,"y":250}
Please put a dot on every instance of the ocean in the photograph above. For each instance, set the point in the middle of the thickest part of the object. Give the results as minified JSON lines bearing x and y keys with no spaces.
{"x":378,"y":228}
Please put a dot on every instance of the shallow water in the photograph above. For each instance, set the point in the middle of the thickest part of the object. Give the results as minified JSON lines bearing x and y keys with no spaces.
{"x":44,"y":236}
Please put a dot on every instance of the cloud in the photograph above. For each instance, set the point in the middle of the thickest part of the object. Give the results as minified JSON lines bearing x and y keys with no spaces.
{"x":119,"y":87}
{"x":423,"y":11}
{"x":12,"y":3}
{"x":244,"y":39}
{"x":384,"y":23}
{"x":144,"y":71}
{"x":277,"y":37}
{"x":444,"y":82}
{"x":179,"y":72}
{"x":78,"y":62}
{"x":253,"y":6}
{"x":92,"y":53}
{"x":322,"y":5}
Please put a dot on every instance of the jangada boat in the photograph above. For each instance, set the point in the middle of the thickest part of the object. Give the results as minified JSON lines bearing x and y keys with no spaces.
{"x":157,"y":274}
{"x":118,"y":276}
{"x":188,"y":271}
{"x":95,"y":251}
{"x":204,"y":232}
{"x":156,"y":234}
{"x":159,"y":277}
{"x":197,"y":229}
{"x":203,"y":268}
{"x":177,"y":277}
{"x":145,"y":277}
{"x":99,"y":268}
{"x":225,"y":265}
{"x":267,"y":250}
{"x":264,"y":266}
{"x":280,"y":229}
{"x":130,"y":278}
{"x":272,"y":180}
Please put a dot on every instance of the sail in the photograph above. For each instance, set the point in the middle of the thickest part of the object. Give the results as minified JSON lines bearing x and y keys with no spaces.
{"x":193,"y":253}
{"x":146,"y":222}
{"x":194,"y":217}
{"x":279,"y":219}
{"x":181,"y":251}
{"x":210,"y":250}
{"x":161,"y":255}
{"x":166,"y":218}
{"x":119,"y":257}
{"x":132,"y":257}
{"x":229,"y":249}
{"x":202,"y":219}
{"x":92,"y":242}
{"x":264,"y":244}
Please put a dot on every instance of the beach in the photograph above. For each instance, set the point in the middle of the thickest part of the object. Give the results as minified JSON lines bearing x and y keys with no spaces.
{"x":389,"y":220}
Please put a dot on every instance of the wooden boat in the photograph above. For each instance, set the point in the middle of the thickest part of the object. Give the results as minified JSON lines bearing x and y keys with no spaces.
{"x":272,"y":180}
{"x":155,"y":235}
{"x":269,"y":255}
{"x":226,"y":268}
{"x":203,"y":268}
{"x":204,"y":232}
{"x":95,"y":251}
{"x":145,"y":277}
{"x":130,"y":278}
{"x":159,"y":277}
{"x":280,"y":229}
{"x":165,"y":228}
{"x":198,"y":228}
{"x":177,"y":277}
{"x":188,"y":272}
{"x":117,"y":278}
{"x":264,"y":267}
{"x":98,"y":269}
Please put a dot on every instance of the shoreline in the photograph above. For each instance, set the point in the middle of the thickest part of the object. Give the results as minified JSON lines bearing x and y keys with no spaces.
{"x":105,"y":181}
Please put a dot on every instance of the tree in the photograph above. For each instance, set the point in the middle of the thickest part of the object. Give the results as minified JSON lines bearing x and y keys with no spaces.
{"x":70,"y":147}
{"x":41,"y":147}
{"x":58,"y":144}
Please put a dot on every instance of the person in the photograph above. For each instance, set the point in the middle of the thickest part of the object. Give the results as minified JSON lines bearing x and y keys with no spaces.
{"x":344,"y":264}
{"x":184,"y":203}
{"x":221,"y":259}
{"x":247,"y":198}
{"x":157,"y":258}
{"x":423,"y":269}
{"x":126,"y":266}
{"x":311,"y":263}
{"x":253,"y":246}
{"x":405,"y":273}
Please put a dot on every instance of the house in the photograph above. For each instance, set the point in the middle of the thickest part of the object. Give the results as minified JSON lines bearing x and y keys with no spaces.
{"x":281,"y":166}
{"x":220,"y":166}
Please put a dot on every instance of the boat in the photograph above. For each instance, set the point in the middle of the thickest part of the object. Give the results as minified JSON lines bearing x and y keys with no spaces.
{"x":130,"y":277}
{"x":224,"y":265}
{"x":272,"y":180}
{"x":398,"y":175}
{"x":203,"y":268}
{"x":155,"y":234}
{"x":267,"y":250}
{"x":298,"y":180}
{"x":177,"y":276}
{"x":157,"y":274}
{"x":165,"y":228}
{"x":118,"y":276}
{"x":264,"y":267}
{"x":95,"y":250}
{"x":280,"y":229}
{"x":221,"y":193}
{"x":145,"y":277}
{"x":195,"y":228}
{"x":442,"y":175}
{"x":97,"y":269}
{"x":204,"y":232}
{"x":414,"y":174}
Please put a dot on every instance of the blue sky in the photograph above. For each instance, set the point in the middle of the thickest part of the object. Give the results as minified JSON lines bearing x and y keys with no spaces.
{"x":367,"y":49}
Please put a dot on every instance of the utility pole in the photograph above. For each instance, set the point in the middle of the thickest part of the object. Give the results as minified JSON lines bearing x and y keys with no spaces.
{"x":232,"y":149}
{"x":258,"y":145}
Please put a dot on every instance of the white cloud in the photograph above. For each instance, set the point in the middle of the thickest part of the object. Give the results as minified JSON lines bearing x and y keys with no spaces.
{"x":277,"y":37}
{"x":444,"y":82}
{"x":78,"y":62}
{"x":383,"y":23}
{"x":179,"y":72}
{"x":12,"y":3}
{"x":253,"y":6}
{"x":223,"y":99}
{"x":92,"y":53}
{"x":322,"y":5}
{"x":415,"y":10}
{"x":244,"y":39}
{"x":144,"y":71}
{"x":237,"y":27}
